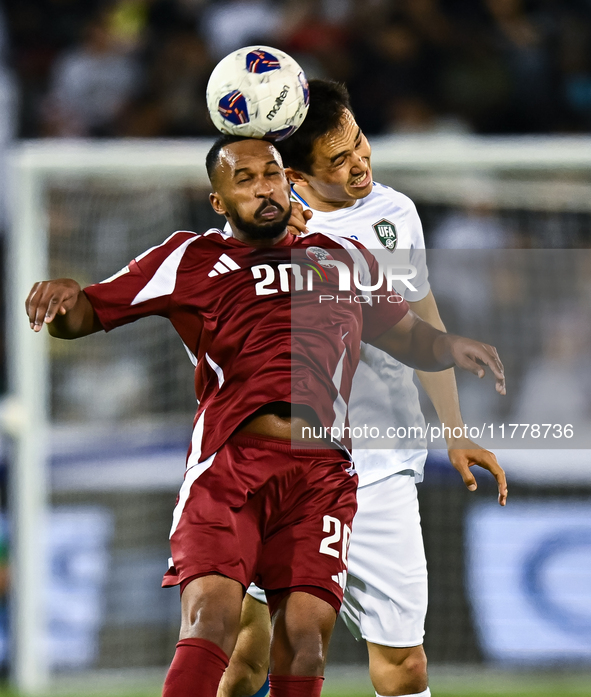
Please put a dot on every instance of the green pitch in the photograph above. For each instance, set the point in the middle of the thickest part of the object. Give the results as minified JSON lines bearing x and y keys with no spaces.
{"x":342,"y":692}
{"x":354,"y":682}
{"x":328,"y":692}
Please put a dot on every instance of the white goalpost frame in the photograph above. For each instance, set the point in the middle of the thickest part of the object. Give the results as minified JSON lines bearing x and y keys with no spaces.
{"x":26,"y":416}
{"x":34,"y":165}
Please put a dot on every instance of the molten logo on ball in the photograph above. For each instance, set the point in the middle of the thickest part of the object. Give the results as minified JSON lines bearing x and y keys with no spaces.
{"x":278,"y":102}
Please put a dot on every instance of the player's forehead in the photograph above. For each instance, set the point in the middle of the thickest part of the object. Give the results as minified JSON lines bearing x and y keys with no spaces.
{"x":248,"y":154}
{"x":340,"y":139}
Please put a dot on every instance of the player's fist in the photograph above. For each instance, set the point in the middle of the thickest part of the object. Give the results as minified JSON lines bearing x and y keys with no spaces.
{"x":299,"y":218}
{"x":47,"y":299}
{"x":473,"y":356}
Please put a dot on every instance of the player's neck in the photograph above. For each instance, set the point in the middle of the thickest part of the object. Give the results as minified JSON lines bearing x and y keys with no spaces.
{"x":259,"y":242}
{"x":317,"y":203}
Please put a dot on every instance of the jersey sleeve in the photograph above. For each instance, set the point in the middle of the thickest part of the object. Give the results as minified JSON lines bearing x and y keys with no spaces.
{"x":417,"y":254}
{"x":144,"y":287}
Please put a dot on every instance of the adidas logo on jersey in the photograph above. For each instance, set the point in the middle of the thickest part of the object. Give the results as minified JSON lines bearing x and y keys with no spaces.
{"x":341,"y":579}
{"x":223,"y":265}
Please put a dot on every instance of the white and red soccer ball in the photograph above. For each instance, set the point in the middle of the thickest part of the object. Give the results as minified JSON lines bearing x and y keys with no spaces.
{"x":258,"y":92}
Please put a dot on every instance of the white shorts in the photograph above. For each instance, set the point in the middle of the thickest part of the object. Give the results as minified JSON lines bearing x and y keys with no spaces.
{"x":256,"y":593}
{"x":386,"y":595}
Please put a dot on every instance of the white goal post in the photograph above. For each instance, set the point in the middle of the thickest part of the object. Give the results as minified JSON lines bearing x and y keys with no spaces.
{"x":33,"y":166}
{"x":436,"y":165}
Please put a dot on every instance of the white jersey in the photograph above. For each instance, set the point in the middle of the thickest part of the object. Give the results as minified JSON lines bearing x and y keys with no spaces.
{"x":383,"y":392}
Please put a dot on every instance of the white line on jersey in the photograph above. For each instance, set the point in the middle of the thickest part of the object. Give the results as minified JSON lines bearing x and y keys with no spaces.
{"x":164,"y":280}
{"x":215,"y":367}
{"x":341,"y":579}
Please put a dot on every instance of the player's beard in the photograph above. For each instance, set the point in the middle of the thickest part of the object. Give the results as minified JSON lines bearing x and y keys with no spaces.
{"x":262,"y":230}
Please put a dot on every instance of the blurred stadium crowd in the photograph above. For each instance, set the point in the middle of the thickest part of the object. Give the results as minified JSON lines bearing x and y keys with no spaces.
{"x":139,"y":68}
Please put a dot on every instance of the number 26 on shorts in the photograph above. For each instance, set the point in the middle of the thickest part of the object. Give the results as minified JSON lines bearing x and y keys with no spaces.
{"x":333,"y":527}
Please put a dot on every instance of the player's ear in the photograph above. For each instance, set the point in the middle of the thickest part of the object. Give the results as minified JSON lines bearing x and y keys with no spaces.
{"x":296,"y":177}
{"x":217,"y":204}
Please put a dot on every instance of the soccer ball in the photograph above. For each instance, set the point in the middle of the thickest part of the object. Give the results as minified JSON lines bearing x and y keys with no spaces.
{"x":258,"y":92}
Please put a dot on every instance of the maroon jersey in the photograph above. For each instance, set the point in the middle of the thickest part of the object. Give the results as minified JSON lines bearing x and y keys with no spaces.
{"x":264,"y":325}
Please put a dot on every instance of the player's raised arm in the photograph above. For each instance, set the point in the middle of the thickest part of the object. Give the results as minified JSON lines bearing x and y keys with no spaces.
{"x":421,"y":346}
{"x":63,"y":306}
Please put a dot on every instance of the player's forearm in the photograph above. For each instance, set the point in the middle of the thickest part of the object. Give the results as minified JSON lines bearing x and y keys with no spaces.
{"x":80,"y":321}
{"x":63,"y":307}
{"x":430,"y":348}
{"x":442,"y":390}
{"x":417,"y":344}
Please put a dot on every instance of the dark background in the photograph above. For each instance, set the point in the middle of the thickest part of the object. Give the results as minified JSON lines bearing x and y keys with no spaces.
{"x":483,"y":66}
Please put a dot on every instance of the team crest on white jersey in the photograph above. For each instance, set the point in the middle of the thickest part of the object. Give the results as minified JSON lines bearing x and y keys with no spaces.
{"x":223,"y":265}
{"x":386,"y":234}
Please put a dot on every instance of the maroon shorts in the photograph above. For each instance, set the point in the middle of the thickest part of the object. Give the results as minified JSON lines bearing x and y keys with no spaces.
{"x":259,"y":511}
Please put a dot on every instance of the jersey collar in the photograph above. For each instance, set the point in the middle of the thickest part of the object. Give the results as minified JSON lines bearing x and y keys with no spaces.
{"x":357,"y":203}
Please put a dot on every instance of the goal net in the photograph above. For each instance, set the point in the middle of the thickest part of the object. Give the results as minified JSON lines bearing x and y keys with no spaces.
{"x":100,"y":426}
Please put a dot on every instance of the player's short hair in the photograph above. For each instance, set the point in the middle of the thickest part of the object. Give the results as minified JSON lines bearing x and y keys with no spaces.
{"x":212,"y":157}
{"x":328,"y":101}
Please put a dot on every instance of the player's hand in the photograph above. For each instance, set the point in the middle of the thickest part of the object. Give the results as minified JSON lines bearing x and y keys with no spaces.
{"x":299,"y":217}
{"x":464,"y":453}
{"x":47,"y":299}
{"x":474,"y":355}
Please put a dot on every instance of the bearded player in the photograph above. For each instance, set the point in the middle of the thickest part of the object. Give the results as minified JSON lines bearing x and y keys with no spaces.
{"x":252,"y":507}
{"x":385,"y":602}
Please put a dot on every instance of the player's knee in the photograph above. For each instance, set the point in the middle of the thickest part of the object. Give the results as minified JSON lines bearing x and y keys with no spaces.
{"x":255,"y":679}
{"x":302,"y":627}
{"x":309,"y":651}
{"x":207,"y":624}
{"x":300,"y":658}
{"x":251,"y":668}
{"x":399,"y":671}
{"x":243,"y":677}
{"x":309,"y":659}
{"x":414,"y":668}
{"x":203,"y":616}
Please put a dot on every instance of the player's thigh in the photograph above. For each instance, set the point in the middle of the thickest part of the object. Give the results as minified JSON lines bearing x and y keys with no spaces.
{"x":386,"y":596}
{"x":249,"y":662}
